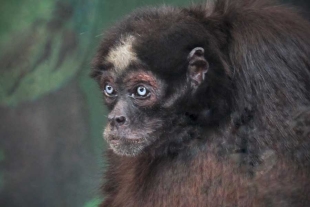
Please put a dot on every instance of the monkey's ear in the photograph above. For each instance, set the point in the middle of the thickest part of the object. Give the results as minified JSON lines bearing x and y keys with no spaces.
{"x":198,"y":66}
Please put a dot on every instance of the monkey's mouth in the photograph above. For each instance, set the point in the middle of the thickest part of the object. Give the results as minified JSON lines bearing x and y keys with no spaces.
{"x":126,"y":145}
{"x":116,"y":140}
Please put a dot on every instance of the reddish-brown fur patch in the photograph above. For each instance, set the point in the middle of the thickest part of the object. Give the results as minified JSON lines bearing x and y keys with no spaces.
{"x":209,"y":182}
{"x":141,"y":77}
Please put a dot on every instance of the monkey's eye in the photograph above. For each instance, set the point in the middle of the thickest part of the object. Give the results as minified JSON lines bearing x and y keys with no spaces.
{"x":141,"y":92}
{"x":109,"y":91}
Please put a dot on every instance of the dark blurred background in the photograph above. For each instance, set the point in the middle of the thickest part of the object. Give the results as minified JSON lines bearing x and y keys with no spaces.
{"x":51,"y":112}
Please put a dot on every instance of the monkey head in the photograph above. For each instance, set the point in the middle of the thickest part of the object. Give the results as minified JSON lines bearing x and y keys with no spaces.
{"x":158,"y":74}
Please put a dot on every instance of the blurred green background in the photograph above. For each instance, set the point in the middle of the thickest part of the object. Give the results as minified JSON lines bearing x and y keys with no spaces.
{"x":51,"y":112}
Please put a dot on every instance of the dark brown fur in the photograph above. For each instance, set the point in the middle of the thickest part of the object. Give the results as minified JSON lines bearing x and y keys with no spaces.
{"x":248,"y":153}
{"x":209,"y":182}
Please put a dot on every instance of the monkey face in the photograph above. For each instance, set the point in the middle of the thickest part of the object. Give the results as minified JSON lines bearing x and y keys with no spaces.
{"x":135,"y":112}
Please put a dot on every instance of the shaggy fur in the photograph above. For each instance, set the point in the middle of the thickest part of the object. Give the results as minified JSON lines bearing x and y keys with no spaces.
{"x":236,"y":141}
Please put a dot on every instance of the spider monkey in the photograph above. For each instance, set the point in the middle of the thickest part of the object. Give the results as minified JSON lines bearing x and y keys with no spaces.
{"x":203,"y":104}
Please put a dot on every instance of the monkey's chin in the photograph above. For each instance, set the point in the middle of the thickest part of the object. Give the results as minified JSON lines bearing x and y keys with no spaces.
{"x":127,"y":147}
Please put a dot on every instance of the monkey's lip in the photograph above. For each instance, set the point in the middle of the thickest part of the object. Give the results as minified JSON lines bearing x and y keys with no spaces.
{"x":117,"y":140}
{"x":114,"y":141}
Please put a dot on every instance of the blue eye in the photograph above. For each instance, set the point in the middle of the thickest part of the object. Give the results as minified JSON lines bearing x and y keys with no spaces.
{"x":109,"y":90}
{"x":142,"y":91}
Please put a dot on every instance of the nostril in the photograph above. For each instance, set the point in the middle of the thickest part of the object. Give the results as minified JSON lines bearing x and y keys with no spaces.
{"x":120,"y":120}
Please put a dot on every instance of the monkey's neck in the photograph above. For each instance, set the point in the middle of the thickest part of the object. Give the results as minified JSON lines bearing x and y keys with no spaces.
{"x":182,"y":132}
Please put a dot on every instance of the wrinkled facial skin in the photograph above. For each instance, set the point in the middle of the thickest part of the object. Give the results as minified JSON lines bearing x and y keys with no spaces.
{"x":135,"y":119}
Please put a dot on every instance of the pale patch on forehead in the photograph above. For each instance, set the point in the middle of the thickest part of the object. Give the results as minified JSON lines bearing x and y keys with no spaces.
{"x":122,"y":55}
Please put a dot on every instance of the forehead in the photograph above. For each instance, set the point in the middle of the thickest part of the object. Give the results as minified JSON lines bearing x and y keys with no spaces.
{"x":122,"y":54}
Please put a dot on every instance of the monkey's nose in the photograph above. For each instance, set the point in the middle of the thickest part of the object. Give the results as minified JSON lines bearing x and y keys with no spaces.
{"x":120,"y":120}
{"x":117,"y":120}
